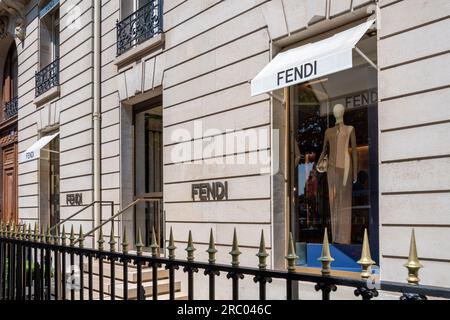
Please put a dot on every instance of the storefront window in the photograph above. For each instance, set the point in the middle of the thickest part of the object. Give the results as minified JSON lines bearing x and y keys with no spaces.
{"x":49,"y":178}
{"x":335,"y":162}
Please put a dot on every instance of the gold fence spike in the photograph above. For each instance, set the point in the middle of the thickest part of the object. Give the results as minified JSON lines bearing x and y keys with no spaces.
{"x":13,"y":231}
{"x":8,"y":230}
{"x":100,"y":240}
{"x":139,"y":244}
{"x":154,"y":245}
{"x":57,"y":236}
{"x":1,"y":228}
{"x":36,"y":232}
{"x":326,"y":258}
{"x":413,"y":265}
{"x":112,"y":239}
{"x":190,"y":248}
{"x":291,"y":255}
{"x":81,"y":237}
{"x":124,"y":242}
{"x":171,"y":246}
{"x":23,"y":232}
{"x":29,"y":233}
{"x":235,"y":253}
{"x":366,"y":261}
{"x":212,"y":248}
{"x":262,"y":253}
{"x":19,"y":232}
{"x":42,"y":235}
{"x":63,"y":236}
{"x":72,"y":237}
{"x":48,"y":237}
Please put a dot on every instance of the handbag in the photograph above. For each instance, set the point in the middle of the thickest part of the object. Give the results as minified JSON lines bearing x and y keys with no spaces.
{"x":322,"y":164}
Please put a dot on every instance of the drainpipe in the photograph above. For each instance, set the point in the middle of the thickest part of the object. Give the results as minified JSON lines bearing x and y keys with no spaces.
{"x":96,"y":117}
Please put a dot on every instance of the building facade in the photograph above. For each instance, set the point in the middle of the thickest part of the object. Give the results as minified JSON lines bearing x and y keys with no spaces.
{"x":156,"y":106}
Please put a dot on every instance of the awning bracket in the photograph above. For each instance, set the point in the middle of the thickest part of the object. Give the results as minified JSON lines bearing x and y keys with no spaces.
{"x":366,"y":58}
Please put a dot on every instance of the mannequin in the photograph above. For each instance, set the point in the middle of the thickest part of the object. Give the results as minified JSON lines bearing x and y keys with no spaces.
{"x":342,"y":171}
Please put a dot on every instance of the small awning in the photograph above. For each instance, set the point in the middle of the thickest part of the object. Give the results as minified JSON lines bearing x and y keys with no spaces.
{"x":310,"y":61}
{"x":34,"y":151}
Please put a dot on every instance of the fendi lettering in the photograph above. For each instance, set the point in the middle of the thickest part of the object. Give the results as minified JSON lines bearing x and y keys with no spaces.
{"x":296,"y":74}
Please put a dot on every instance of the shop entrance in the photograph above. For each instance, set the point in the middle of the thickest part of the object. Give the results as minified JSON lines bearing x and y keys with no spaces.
{"x":148,"y":164}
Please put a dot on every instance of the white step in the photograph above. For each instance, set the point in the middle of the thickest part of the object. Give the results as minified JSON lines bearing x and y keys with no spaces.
{"x":147,"y":273}
{"x":163,"y":287}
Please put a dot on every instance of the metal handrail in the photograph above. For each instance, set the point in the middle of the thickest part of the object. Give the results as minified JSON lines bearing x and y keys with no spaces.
{"x":122,"y":211}
{"x":83,"y":209}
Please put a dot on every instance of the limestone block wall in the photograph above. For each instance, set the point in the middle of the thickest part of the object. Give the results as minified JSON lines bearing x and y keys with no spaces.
{"x":71,"y":110}
{"x":414,"y":120}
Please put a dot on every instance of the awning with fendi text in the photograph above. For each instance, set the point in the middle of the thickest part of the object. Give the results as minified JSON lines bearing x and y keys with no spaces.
{"x":310,"y":61}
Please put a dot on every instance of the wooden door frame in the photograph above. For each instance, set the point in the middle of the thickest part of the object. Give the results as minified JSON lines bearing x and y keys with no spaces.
{"x":6,"y":166}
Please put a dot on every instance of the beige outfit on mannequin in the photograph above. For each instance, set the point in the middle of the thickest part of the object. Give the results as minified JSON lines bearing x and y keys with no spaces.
{"x":341,"y":173}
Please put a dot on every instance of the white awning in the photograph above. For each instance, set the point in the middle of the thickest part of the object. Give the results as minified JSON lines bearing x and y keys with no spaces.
{"x":310,"y":61}
{"x":34,"y":151}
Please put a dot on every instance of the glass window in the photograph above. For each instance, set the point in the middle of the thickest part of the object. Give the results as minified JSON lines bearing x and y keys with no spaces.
{"x":49,"y":36}
{"x":334,"y":169}
{"x":49,"y":184}
{"x":130,"y":6}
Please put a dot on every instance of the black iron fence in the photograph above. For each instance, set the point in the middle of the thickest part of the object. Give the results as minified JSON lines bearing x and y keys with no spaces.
{"x":47,"y":78}
{"x":34,"y":266}
{"x":140,"y":26}
{"x":10,"y":109}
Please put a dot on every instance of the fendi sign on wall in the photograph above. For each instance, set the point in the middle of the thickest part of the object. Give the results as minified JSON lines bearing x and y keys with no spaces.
{"x":74,"y":199}
{"x":214,"y":191}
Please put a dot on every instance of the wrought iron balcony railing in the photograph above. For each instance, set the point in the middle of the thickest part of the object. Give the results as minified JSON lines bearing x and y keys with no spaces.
{"x":140,"y":26}
{"x":47,"y":78}
{"x":10,"y":109}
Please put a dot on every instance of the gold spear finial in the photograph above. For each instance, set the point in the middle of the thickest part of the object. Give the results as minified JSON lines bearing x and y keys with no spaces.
{"x":1,"y":228}
{"x":235,"y":252}
{"x":63,"y":236}
{"x":326,"y":258}
{"x":124,"y":242}
{"x":19,"y":232}
{"x":154,"y":246}
{"x":29,"y":233}
{"x":413,"y":265}
{"x":81,"y":237}
{"x":13,"y":231}
{"x":291,"y":255}
{"x":171,"y":246}
{"x":190,"y":248}
{"x":100,"y":240}
{"x":112,"y":239}
{"x":262,"y":253}
{"x":139,"y":244}
{"x":36,"y":232}
{"x":366,"y":261}
{"x":72,"y":237}
{"x":49,"y":235}
{"x":212,"y":248}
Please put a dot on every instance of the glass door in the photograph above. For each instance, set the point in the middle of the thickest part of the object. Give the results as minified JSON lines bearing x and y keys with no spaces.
{"x":148,"y":174}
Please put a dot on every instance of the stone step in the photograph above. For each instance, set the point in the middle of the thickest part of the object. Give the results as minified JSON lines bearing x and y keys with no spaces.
{"x":96,"y":296}
{"x":147,"y":273}
{"x":163,"y":287}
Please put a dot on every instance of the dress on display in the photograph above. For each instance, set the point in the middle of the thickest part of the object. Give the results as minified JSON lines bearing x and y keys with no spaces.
{"x":341,"y":171}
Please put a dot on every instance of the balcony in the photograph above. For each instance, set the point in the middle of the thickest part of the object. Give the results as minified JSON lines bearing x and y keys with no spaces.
{"x":10,"y":109}
{"x":47,"y":78}
{"x":139,"y":27}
